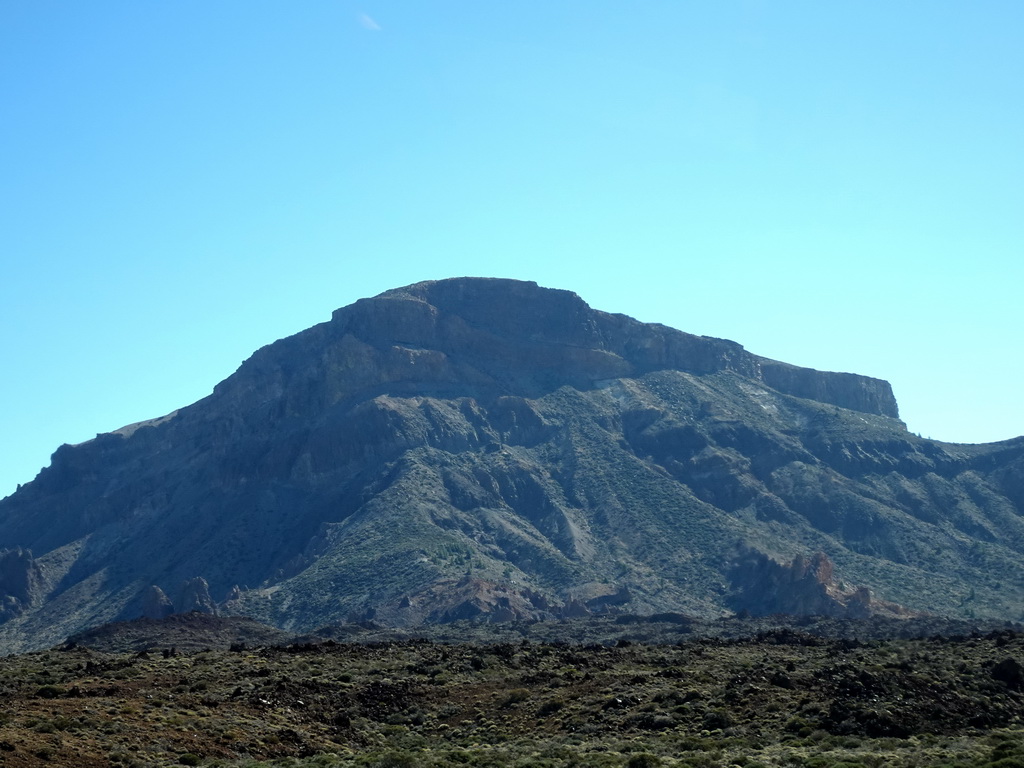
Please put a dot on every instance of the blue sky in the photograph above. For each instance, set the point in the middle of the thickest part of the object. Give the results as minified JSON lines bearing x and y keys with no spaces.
{"x":836,"y":185}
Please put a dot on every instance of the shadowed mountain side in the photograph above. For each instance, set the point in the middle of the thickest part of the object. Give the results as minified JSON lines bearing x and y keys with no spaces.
{"x":488,"y":448}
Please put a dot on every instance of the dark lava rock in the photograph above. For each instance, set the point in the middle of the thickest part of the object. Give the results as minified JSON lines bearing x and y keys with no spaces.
{"x":1011,"y":672}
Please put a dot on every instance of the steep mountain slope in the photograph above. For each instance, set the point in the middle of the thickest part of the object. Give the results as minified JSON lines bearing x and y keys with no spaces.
{"x":479,"y":446}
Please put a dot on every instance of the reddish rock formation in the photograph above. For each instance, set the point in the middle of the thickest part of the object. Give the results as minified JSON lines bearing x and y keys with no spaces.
{"x":807,"y":586}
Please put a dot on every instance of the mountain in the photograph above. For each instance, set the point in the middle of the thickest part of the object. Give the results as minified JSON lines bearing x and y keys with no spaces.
{"x":488,"y":448}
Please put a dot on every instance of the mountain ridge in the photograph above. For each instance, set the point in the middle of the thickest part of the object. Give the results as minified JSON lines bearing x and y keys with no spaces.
{"x":509,"y":439}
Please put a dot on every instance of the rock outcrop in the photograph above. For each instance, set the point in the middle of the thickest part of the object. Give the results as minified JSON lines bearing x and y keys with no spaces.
{"x":156,"y":604}
{"x":194,"y":595}
{"x":807,"y":586}
{"x":20,"y":581}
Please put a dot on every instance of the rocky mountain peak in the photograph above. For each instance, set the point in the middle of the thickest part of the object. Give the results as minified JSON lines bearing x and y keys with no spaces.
{"x":497,"y":336}
{"x":493,"y":449}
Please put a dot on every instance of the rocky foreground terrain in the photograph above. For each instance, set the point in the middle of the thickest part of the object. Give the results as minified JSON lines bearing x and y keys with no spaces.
{"x":492,"y":450}
{"x":773,"y":696}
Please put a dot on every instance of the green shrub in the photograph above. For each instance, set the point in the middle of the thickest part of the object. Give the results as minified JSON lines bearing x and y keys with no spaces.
{"x":717,"y":718}
{"x":397,"y":760}
{"x":516,"y":696}
{"x":550,"y":707}
{"x":644,"y":760}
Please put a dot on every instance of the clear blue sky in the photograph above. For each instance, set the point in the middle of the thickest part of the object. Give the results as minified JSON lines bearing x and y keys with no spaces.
{"x":833,"y":184}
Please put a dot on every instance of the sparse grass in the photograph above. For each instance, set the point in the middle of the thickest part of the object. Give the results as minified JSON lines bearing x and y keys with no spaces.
{"x":781,"y":700}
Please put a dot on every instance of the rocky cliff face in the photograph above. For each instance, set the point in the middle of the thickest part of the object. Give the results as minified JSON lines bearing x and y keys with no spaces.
{"x":553,"y":337}
{"x":21,"y":581}
{"x":493,"y":448}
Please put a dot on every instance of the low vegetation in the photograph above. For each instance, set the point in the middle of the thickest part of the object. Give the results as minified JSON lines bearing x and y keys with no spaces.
{"x":781,"y":697}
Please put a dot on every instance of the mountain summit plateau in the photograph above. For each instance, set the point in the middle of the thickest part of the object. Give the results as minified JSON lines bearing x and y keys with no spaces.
{"x":485,"y":448}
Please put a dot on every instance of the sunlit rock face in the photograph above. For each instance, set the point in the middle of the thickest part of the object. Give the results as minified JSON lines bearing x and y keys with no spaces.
{"x":490,"y":449}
